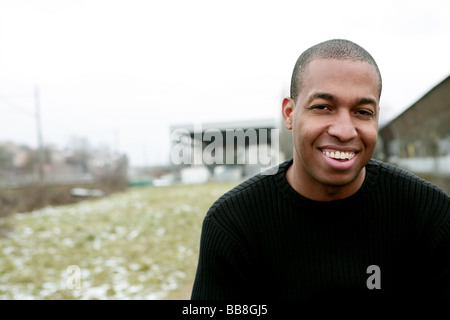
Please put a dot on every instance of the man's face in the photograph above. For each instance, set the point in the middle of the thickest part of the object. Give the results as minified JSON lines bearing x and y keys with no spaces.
{"x":334,"y":121}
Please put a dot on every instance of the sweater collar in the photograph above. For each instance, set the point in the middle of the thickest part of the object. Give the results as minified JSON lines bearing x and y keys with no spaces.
{"x":370,"y":180}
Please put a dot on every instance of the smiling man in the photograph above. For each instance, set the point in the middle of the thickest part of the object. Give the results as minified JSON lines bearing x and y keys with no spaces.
{"x":332,"y":223}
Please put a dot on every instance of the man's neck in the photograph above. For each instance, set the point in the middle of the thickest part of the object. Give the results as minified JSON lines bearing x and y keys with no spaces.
{"x":322,"y":192}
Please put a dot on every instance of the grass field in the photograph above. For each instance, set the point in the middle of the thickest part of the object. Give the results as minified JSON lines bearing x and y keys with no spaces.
{"x":139,"y":244}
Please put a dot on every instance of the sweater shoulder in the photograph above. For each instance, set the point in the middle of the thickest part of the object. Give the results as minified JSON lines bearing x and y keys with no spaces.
{"x":394,"y":175}
{"x":424,"y":203}
{"x":250,"y":195}
{"x":237,"y":212}
{"x":245,"y":191}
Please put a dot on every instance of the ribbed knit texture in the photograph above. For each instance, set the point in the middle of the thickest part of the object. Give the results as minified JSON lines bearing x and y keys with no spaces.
{"x":263,"y":240}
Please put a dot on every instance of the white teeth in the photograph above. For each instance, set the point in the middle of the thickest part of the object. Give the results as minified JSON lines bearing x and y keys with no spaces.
{"x":339,"y":155}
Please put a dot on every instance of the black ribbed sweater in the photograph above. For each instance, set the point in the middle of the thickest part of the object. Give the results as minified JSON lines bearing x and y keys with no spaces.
{"x":263,"y":240}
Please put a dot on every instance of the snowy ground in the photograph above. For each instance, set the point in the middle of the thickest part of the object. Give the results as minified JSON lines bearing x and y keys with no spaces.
{"x":141,"y":244}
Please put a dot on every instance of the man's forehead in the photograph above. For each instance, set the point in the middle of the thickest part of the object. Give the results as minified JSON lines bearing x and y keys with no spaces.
{"x":326,"y":63}
{"x":320,"y":71}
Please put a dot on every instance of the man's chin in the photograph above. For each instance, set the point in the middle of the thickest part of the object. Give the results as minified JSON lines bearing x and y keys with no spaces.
{"x":343,"y":179}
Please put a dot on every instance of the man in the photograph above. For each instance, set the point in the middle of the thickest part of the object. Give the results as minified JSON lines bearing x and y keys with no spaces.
{"x":332,"y":222}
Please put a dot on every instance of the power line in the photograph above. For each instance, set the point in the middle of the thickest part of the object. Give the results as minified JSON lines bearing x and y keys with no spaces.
{"x":6,"y":102}
{"x":37,"y":116}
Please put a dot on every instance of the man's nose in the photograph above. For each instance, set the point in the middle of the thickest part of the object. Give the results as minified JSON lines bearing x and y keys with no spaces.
{"x":343,"y":126}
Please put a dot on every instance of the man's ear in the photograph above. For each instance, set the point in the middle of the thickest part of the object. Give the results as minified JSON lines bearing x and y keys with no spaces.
{"x":287,"y":109}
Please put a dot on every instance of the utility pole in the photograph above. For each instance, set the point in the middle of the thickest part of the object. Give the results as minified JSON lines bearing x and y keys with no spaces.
{"x":41,"y":156}
{"x":116,"y":141}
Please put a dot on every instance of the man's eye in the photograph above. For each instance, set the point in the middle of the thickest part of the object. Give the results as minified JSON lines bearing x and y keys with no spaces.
{"x":319,"y":107}
{"x":365,"y":114}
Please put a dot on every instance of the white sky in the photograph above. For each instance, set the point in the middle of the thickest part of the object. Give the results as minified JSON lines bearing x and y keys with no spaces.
{"x":119,"y":73}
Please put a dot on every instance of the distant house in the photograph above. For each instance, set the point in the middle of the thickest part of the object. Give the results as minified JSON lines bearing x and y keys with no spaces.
{"x":223,"y":150}
{"x":419,"y":138}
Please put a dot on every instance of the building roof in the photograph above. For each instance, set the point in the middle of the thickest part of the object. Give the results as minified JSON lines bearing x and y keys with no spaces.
{"x":240,"y":124}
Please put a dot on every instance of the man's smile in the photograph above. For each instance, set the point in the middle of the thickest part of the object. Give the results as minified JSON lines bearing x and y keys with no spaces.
{"x":339,"y":155}
{"x":339,"y":158}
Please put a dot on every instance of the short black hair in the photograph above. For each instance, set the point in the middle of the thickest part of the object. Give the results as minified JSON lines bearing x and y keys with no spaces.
{"x":339,"y":49}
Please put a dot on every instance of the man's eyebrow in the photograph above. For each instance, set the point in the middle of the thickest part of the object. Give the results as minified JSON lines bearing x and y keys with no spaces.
{"x":323,"y":95}
{"x":330,"y":97}
{"x":367,"y":101}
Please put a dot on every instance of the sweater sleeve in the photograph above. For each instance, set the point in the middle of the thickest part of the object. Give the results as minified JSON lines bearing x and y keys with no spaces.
{"x":435,"y":240}
{"x":440,"y":262}
{"x":223,"y":266}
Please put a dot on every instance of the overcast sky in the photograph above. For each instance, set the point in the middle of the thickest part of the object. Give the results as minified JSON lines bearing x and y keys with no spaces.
{"x":120,"y":73}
